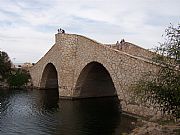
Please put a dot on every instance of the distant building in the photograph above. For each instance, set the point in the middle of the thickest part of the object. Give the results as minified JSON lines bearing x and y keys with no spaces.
{"x":25,"y":65}
{"x":16,"y":65}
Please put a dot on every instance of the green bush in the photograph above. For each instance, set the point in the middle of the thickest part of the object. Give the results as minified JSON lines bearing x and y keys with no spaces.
{"x":18,"y":78}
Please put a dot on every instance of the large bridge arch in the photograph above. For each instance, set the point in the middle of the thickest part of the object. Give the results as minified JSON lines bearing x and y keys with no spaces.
{"x":95,"y":81}
{"x":49,"y":79}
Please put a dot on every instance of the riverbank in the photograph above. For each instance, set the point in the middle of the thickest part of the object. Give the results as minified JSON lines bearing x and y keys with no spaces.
{"x":4,"y":85}
{"x":155,"y":128}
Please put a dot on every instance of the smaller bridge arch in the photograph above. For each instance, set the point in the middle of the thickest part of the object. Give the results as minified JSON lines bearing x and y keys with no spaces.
{"x":49,"y":79}
{"x":95,"y":81}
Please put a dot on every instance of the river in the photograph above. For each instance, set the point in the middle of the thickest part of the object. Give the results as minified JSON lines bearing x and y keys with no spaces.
{"x":41,"y":112}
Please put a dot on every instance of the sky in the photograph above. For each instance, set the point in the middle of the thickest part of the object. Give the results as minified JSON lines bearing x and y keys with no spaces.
{"x":28,"y":27}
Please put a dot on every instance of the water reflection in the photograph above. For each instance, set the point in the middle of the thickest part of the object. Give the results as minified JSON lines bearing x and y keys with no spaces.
{"x":49,"y":99}
{"x":41,"y":112}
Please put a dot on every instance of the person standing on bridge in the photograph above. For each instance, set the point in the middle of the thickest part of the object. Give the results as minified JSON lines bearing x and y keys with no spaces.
{"x":63,"y":31}
{"x":122,"y":41}
{"x":59,"y":30}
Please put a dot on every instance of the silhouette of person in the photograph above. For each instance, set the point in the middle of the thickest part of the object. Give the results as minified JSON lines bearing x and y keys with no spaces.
{"x":63,"y":31}
{"x":122,"y":41}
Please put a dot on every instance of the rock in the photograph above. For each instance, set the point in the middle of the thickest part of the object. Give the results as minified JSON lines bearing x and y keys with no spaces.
{"x":152,"y":128}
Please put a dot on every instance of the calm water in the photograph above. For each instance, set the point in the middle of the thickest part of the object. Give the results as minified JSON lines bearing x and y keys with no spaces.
{"x":40,"y":112}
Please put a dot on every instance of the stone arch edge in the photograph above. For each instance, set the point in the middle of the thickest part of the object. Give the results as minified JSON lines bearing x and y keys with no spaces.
{"x":75,"y":94}
{"x":44,"y":68}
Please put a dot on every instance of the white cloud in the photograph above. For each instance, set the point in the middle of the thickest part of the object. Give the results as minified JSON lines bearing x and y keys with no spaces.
{"x":27,"y":27}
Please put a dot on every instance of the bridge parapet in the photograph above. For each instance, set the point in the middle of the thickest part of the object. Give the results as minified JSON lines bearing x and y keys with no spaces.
{"x":133,"y":49}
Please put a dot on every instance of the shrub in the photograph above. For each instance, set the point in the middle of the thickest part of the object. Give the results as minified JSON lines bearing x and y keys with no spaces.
{"x":163,"y":88}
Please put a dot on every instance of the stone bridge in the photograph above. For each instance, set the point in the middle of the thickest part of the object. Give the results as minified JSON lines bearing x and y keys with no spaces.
{"x":80,"y":67}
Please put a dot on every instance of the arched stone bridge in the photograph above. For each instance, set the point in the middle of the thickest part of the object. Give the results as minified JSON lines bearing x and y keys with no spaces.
{"x":81,"y":67}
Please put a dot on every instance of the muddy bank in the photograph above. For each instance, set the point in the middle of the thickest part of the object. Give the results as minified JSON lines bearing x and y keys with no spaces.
{"x":154,"y":128}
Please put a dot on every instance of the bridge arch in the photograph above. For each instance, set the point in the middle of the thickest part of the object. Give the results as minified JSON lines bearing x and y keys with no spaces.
{"x":49,"y":79}
{"x":95,"y":81}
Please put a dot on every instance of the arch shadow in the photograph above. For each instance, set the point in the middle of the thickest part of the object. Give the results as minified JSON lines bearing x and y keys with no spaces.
{"x":95,"y":81}
{"x":49,"y":78}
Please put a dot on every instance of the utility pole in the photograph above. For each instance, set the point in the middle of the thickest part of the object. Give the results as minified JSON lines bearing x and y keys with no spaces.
{"x":14,"y":62}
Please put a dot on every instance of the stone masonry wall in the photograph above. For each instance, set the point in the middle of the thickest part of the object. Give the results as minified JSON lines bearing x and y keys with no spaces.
{"x":62,"y":56}
{"x":71,"y":53}
{"x":124,"y":69}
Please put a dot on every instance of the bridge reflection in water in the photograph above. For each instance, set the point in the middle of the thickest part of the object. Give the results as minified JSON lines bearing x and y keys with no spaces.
{"x":42,"y":112}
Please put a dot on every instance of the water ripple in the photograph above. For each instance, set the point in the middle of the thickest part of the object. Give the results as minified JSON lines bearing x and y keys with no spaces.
{"x":42,"y":113}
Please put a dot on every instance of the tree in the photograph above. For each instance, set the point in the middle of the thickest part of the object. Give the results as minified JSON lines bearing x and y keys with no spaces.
{"x":15,"y":78}
{"x":163,"y":87}
{"x":5,"y":65}
{"x":169,"y":51}
{"x":18,"y":78}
